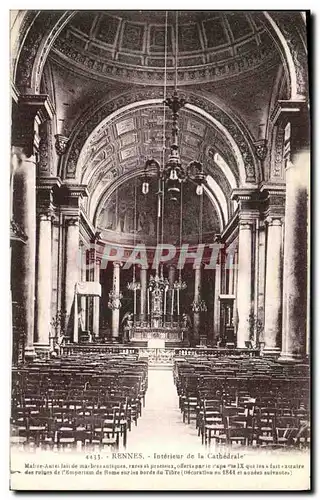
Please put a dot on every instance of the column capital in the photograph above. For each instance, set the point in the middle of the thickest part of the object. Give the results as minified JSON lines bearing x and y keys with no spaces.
{"x":48,"y":183}
{"x":45,"y":188}
{"x":71,"y":194}
{"x":28,"y":110}
{"x":61,"y":144}
{"x":199,"y":266}
{"x":117,"y":265}
{"x":46,"y":214}
{"x":275,"y":197}
{"x":249,"y":201}
{"x":286,"y":110}
{"x":21,"y":155}
{"x":72,"y":221}
{"x":245,"y":224}
{"x":274,"y":220}
{"x":294,"y":118}
{"x":142,"y":268}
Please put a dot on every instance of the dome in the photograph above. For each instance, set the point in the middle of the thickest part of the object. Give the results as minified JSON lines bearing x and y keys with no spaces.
{"x":212,"y":45}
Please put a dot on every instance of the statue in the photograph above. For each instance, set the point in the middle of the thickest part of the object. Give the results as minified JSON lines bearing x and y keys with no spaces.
{"x":128,"y":326}
{"x":157,"y":301}
{"x":127,"y":321}
{"x":186,"y":322}
{"x":130,"y":321}
{"x":145,"y":224}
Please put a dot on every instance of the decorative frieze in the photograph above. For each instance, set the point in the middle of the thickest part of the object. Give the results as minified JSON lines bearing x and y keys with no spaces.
{"x":288,"y":22}
{"x":36,"y":46}
{"x":277,"y":164}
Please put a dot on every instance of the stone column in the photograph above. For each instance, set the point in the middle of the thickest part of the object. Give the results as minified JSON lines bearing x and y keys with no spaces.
{"x":295,"y":264}
{"x":24,"y":213}
{"x":44,"y":284}
{"x":197,"y":296}
{"x":217,"y":291}
{"x":230,"y":267}
{"x":96,"y":301}
{"x":261,"y":278}
{"x":116,"y":308}
{"x":235,"y":283}
{"x":71,"y":273}
{"x":143,"y":293}
{"x":223,"y":270}
{"x":171,"y":278}
{"x":273,"y":293}
{"x":83,"y":278}
{"x":244,"y":282}
{"x":293,"y":118}
{"x":28,"y":112}
{"x":44,"y":263}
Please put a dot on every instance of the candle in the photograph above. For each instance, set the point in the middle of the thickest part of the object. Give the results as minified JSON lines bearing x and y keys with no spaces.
{"x":178,"y":301}
{"x":148,"y":297}
{"x":134,"y":302}
{"x":165,"y":302}
{"x":172,"y":301}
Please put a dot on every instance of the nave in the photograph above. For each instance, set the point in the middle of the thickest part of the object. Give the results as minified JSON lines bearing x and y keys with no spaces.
{"x":95,"y":402}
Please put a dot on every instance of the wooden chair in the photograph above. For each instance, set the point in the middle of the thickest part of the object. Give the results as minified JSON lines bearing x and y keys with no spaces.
{"x":236,"y":432}
{"x":65,"y":436}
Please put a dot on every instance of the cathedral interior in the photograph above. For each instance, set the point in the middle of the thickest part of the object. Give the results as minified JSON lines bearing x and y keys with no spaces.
{"x":159,"y":218}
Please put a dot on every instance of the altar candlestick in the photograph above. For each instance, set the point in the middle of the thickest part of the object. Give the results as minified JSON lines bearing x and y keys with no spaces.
{"x":172,"y":301}
{"x":134,"y":302}
{"x":178,"y":302}
{"x":148,"y":297}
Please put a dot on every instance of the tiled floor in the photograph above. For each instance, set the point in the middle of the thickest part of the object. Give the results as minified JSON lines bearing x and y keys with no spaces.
{"x":161,"y":427}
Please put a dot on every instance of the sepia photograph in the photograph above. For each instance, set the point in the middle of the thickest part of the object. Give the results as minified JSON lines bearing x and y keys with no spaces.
{"x":160,"y":250}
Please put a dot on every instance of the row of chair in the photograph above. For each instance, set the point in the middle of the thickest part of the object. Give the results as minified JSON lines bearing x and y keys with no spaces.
{"x":254,"y":403}
{"x":78,"y":402}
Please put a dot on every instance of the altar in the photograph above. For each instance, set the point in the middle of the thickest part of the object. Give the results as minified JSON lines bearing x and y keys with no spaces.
{"x":162,"y":321}
{"x":166,"y":334}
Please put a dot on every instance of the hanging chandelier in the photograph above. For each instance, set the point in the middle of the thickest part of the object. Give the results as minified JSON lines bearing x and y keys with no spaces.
{"x":199,"y":305}
{"x":179,"y":284}
{"x":133,"y":286}
{"x":172,"y":172}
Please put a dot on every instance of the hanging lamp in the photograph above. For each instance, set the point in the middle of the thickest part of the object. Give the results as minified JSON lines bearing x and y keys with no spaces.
{"x":172,"y":172}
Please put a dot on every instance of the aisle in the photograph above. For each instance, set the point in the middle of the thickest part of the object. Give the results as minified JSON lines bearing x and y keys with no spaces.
{"x":161,"y":426}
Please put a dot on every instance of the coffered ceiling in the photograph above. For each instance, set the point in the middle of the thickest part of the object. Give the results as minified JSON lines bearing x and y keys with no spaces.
{"x":211,"y":45}
{"x":121,"y":146}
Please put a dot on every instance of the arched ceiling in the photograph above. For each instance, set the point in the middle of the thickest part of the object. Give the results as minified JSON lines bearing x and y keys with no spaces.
{"x":103,"y":62}
{"x":119,"y":148}
{"x":212,"y":45}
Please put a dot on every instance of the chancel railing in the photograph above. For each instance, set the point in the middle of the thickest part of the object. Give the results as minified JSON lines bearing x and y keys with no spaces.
{"x":157,"y":355}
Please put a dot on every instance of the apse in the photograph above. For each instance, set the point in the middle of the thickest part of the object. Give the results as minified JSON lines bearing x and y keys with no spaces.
{"x":116,"y":218}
